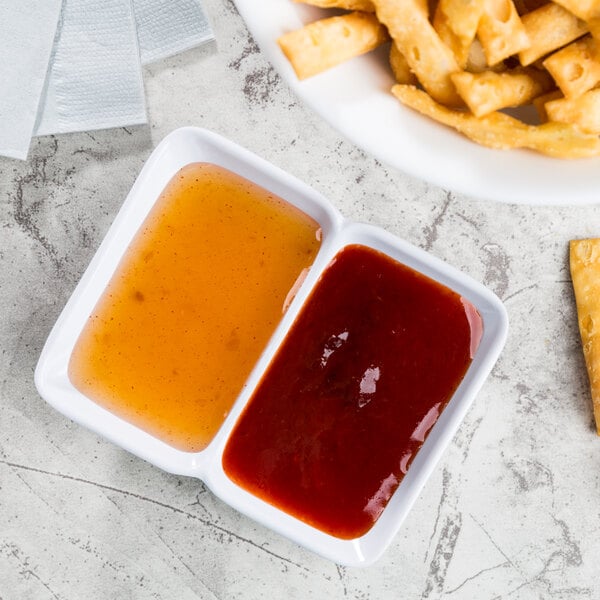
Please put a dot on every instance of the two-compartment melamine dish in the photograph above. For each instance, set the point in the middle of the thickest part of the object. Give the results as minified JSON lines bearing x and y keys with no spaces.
{"x":189,"y":145}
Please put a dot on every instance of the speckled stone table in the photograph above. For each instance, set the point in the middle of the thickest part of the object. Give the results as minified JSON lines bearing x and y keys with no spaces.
{"x":513,"y":508}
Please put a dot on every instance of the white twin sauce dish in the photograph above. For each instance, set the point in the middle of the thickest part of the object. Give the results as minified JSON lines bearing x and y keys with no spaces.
{"x":190,"y":145}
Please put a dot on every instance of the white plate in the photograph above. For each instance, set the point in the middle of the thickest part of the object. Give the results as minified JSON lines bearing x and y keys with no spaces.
{"x":189,"y":145}
{"x":355,"y":98}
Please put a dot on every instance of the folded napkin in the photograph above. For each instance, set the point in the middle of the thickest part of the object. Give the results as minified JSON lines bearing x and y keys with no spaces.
{"x":27,"y":31}
{"x":167,"y":28}
{"x":95,"y":80}
{"x":80,"y":67}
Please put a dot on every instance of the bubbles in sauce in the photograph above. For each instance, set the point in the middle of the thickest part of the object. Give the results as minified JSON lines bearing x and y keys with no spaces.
{"x":192,"y":304}
{"x":361,"y":378}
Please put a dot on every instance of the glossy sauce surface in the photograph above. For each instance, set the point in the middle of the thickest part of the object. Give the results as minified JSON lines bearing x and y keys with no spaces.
{"x":192,"y":304}
{"x":364,"y":373}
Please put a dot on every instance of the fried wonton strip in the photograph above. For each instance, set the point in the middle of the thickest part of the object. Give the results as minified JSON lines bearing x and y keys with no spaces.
{"x":400,"y":67}
{"x":456,"y":23}
{"x":582,"y":110}
{"x":585,"y":274}
{"x":501,"y":31}
{"x":540,"y":103}
{"x":476,"y":61}
{"x":498,"y":130}
{"x":329,"y":42}
{"x":594,"y":25}
{"x":584,"y":9}
{"x":549,"y":28}
{"x":364,"y":5}
{"x":429,"y":58}
{"x":576,"y":68}
{"x":486,"y":92}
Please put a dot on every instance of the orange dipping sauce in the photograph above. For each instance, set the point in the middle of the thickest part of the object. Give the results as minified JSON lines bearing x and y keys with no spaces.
{"x":192,"y":305}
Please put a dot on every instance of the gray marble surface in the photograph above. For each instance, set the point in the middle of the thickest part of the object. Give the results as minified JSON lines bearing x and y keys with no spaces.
{"x":512,"y":510}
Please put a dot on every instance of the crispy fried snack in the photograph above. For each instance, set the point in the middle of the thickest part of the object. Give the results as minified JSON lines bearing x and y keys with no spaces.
{"x":456,"y":22}
{"x":583,"y":110}
{"x":501,"y":31}
{"x":576,"y":68}
{"x":548,"y":28}
{"x":429,"y":58}
{"x":329,"y":42}
{"x":400,"y":66}
{"x":497,"y":130}
{"x":364,"y":5}
{"x":585,"y":273}
{"x":487,"y":55}
{"x":488,"y":91}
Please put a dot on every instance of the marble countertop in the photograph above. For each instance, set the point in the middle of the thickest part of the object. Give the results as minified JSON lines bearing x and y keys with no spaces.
{"x":513,"y":508}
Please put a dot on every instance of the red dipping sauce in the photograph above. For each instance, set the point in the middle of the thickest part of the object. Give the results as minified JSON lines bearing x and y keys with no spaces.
{"x":371,"y":361}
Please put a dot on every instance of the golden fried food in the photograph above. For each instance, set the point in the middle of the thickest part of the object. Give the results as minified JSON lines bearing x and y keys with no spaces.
{"x":465,"y":61}
{"x":585,"y":274}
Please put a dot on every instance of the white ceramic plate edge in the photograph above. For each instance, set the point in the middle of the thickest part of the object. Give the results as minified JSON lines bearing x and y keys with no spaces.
{"x":355,"y":99}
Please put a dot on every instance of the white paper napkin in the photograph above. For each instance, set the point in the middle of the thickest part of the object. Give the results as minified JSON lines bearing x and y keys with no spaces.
{"x":27,"y":30}
{"x":167,"y":28}
{"x":92,"y":79}
{"x":95,"y":81}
